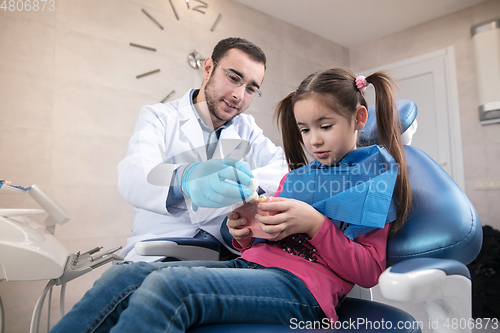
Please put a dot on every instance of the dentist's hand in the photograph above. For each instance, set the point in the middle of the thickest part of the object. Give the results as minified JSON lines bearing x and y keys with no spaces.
{"x":217,"y":183}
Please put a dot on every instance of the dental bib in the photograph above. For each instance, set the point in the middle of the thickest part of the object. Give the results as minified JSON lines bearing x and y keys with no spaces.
{"x":356,"y":194}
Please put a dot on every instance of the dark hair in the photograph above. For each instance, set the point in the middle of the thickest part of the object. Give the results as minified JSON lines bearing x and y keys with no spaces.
{"x":337,"y":88}
{"x":253,"y":51}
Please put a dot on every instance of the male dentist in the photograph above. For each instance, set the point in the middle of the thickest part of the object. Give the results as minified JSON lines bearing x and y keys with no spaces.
{"x":189,"y":160}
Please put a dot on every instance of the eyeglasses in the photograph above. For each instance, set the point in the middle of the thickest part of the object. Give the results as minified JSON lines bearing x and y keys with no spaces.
{"x":237,"y":80}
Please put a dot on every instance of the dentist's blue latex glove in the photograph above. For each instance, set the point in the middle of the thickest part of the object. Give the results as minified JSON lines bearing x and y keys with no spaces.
{"x":217,"y":183}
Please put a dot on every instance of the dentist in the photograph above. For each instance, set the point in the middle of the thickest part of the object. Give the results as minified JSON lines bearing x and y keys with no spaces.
{"x":189,"y":160}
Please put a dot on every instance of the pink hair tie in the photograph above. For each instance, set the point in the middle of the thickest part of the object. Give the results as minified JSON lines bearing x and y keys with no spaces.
{"x":361,"y":83}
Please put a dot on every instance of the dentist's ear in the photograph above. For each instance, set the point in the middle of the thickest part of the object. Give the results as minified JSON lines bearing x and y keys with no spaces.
{"x":207,"y":69}
{"x":361,"y":117}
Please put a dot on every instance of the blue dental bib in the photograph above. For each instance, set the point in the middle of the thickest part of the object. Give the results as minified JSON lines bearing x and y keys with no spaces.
{"x":356,"y":194}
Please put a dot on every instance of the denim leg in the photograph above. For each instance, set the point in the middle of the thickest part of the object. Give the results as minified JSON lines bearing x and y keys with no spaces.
{"x":100,"y":308}
{"x":175,"y":298}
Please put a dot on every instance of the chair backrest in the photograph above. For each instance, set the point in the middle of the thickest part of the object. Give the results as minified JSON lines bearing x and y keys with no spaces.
{"x":443,"y":222}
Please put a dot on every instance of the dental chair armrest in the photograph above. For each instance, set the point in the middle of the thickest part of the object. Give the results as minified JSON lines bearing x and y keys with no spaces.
{"x":421,"y":279}
{"x":443,"y":285}
{"x":180,"y":248}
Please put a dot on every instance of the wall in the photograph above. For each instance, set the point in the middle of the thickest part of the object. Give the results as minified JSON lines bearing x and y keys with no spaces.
{"x":480,"y":144}
{"x":69,"y":100}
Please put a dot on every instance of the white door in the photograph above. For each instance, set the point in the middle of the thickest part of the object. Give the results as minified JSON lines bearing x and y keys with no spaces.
{"x":430,"y":81}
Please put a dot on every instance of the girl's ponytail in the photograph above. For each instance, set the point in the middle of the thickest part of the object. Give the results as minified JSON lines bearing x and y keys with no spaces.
{"x":389,"y":135}
{"x":290,"y":133}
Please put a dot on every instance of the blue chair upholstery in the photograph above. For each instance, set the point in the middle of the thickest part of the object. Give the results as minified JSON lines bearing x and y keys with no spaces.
{"x":354,"y":315}
{"x":443,"y":222}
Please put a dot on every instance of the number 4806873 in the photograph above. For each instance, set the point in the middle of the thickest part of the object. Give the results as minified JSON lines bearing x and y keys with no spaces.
{"x":28,"y":5}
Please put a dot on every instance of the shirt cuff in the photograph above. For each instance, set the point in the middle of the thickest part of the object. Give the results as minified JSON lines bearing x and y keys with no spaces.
{"x":175,"y":194}
{"x":238,"y":247}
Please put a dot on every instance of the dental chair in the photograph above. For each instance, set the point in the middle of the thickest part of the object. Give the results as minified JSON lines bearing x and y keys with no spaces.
{"x":426,"y":259}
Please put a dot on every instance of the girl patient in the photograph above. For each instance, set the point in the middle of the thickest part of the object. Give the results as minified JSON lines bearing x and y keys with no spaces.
{"x":335,"y":214}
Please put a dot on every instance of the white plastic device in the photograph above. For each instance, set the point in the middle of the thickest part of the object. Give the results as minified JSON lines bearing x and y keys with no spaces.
{"x":444,"y":296}
{"x":28,"y":251}
{"x":57,"y":214}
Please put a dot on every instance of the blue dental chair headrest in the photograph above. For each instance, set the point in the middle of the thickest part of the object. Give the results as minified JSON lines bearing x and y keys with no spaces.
{"x":407,"y":114}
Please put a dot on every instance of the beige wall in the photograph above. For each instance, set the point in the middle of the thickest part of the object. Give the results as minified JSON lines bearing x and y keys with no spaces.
{"x":69,"y":100}
{"x":480,"y":144}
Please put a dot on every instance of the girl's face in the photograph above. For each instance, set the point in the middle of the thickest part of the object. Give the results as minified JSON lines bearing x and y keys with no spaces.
{"x":327,"y":134}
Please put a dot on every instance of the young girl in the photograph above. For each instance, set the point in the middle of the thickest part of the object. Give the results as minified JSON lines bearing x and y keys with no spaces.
{"x":333,"y":227}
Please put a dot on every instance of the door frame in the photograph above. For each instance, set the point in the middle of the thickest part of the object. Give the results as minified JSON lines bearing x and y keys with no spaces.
{"x":453,"y":109}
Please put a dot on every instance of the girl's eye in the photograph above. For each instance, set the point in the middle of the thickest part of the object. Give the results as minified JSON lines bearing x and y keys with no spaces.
{"x":325,"y":127}
{"x":304,"y":130}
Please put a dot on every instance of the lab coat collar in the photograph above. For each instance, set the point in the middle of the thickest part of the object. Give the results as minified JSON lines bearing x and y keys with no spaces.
{"x":189,"y":125}
{"x":186,"y":107}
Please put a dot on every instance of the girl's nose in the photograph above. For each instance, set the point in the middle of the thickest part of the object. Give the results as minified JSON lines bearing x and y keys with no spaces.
{"x":316,"y":139}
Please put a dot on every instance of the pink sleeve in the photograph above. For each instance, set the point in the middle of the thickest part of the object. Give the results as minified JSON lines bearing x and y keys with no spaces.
{"x":238,"y":247}
{"x":360,"y":261}
{"x":280,"y":187}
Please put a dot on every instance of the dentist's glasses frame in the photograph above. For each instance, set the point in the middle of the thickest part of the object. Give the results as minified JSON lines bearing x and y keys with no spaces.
{"x":237,"y":80}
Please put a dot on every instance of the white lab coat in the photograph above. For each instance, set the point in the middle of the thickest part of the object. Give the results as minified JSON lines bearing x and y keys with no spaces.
{"x":145,"y":176}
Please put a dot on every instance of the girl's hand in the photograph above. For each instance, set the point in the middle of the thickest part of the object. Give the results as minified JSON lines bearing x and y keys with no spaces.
{"x":238,"y":229}
{"x":295,"y":217}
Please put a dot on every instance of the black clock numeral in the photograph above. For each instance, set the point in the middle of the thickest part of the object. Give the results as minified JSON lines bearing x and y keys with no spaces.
{"x":168,"y":96}
{"x":204,"y":6}
{"x":173,"y":8}
{"x":143,"y":47}
{"x":216,"y":22}
{"x":152,"y":18}
{"x":148,"y":73}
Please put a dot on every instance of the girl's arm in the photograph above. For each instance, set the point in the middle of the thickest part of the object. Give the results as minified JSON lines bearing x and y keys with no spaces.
{"x":360,"y":261}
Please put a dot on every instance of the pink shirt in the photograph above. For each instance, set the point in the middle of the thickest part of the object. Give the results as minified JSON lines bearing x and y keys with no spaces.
{"x":329,"y":264}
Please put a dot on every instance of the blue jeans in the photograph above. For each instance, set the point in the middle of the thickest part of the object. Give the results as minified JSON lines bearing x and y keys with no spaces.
{"x":173,"y":296}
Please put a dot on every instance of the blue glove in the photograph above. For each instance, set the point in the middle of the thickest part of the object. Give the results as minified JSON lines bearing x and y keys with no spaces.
{"x":217,"y":183}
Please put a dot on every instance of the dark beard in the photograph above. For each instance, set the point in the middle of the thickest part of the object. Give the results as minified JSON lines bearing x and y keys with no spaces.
{"x":211,"y":106}
{"x":211,"y":103}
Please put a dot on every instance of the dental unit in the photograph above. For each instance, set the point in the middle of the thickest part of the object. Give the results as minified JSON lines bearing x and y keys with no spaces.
{"x":30,"y":252}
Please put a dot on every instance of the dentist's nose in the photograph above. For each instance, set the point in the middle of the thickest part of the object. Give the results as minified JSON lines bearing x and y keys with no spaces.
{"x":239,"y":93}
